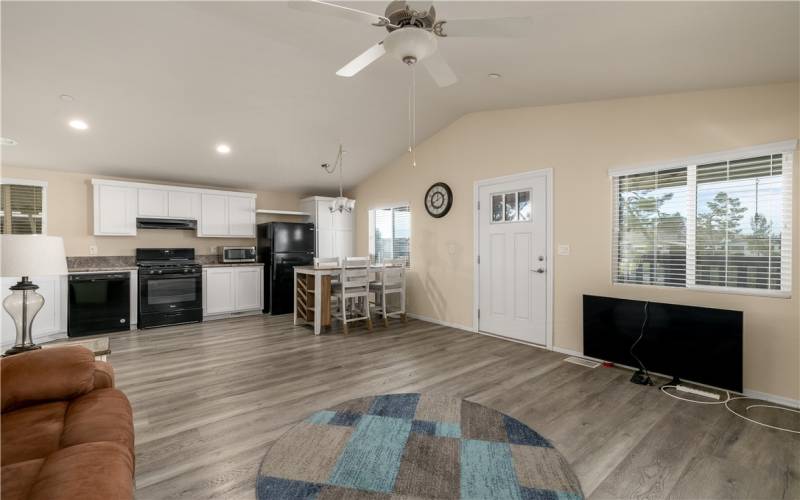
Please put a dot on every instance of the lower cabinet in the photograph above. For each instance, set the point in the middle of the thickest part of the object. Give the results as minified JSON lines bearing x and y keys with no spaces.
{"x":232,"y":289}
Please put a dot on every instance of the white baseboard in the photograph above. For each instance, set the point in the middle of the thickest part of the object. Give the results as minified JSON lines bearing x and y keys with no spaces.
{"x":793,"y":403}
{"x":772,"y":398}
{"x":568,"y":352}
{"x":440,"y":322}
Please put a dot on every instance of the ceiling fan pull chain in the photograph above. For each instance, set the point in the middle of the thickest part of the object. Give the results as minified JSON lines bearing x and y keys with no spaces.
{"x":412,"y":116}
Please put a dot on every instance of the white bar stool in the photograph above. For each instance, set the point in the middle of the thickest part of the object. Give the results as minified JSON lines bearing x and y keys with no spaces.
{"x":392,"y":282}
{"x":352,"y":292}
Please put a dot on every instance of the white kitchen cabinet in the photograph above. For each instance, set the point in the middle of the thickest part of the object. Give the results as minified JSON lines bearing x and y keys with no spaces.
{"x":219,"y":290}
{"x":249,"y":287}
{"x":115,"y":209}
{"x":214,"y":215}
{"x":153,"y":203}
{"x":334,"y":230}
{"x":52,"y":318}
{"x":227,"y":216}
{"x":183,"y":204}
{"x":232,"y":289}
{"x":223,"y":214}
{"x":342,"y":221}
{"x":241,"y":216}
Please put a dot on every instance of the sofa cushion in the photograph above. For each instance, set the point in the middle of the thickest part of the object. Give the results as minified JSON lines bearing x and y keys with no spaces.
{"x":91,"y":471}
{"x":45,"y":375}
{"x":101,"y":415}
{"x":18,"y":478}
{"x":103,"y":375}
{"x":32,"y":432}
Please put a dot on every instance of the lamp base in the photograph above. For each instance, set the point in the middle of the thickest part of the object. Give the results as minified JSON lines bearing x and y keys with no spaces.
{"x":17,"y":349}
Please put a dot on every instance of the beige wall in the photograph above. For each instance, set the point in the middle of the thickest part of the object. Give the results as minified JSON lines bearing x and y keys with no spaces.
{"x":69,"y":214}
{"x":580,"y":142}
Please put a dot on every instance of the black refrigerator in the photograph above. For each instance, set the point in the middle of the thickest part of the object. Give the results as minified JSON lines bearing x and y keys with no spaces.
{"x":281,"y":246}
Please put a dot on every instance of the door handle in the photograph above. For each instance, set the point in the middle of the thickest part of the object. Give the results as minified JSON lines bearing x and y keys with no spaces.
{"x":540,"y":270}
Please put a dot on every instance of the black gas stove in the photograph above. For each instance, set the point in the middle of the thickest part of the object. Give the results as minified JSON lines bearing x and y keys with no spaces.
{"x":170,"y":287}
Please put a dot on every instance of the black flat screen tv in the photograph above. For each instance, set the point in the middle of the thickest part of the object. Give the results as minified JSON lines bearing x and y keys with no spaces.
{"x":696,"y":344}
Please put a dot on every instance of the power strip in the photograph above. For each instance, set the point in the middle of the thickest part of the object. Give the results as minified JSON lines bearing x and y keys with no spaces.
{"x":698,"y":392}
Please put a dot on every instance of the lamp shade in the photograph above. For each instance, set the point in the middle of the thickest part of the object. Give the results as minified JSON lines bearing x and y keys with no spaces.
{"x":32,"y":255}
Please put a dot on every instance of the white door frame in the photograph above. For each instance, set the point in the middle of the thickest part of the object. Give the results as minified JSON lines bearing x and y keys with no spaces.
{"x":547,"y":173}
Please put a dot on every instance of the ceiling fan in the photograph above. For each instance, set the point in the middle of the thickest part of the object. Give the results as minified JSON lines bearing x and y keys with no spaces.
{"x":413,"y":35}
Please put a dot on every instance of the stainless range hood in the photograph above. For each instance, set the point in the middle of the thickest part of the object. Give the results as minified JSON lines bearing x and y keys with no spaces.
{"x":146,"y":223}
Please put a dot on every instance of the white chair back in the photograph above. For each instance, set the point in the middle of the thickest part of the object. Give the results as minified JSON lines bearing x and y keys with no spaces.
{"x":355,"y":272}
{"x":393,"y":272}
{"x":326,"y":262}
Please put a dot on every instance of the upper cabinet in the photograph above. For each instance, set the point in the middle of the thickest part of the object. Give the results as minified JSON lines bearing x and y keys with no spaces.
{"x":115,"y":208}
{"x":334,"y":230}
{"x":183,"y":204}
{"x":227,"y":216}
{"x":117,"y":204}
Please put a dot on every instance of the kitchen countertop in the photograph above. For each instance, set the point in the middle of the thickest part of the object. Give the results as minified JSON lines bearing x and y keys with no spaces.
{"x":134,"y":268}
{"x":233,"y":264}
{"x":102,"y":269}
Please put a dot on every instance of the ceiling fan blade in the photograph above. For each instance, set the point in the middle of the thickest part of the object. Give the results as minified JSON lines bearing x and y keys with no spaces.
{"x":439,"y":70}
{"x":502,"y":27}
{"x":340,"y":11}
{"x":366,"y":58}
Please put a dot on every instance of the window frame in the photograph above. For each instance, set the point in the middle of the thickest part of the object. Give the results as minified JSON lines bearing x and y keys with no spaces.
{"x":371,"y":227}
{"x":30,"y":182}
{"x":785,"y":148}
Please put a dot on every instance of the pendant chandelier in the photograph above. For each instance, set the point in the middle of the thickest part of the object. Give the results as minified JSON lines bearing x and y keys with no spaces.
{"x":340,"y":203}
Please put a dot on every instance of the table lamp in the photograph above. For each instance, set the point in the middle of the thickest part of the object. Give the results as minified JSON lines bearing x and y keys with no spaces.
{"x":22,"y":256}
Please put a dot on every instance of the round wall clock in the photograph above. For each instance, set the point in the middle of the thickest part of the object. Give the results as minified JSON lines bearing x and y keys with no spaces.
{"x":438,"y":200}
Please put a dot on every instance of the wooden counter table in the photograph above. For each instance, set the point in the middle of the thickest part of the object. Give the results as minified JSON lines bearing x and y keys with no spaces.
{"x":312,"y":295}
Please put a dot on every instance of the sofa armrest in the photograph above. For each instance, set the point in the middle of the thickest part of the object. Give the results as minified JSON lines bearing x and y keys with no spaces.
{"x":103,"y":375}
{"x":53,"y":374}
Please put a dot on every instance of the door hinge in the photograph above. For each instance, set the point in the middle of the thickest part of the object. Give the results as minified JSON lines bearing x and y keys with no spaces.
{"x":479,"y":205}
{"x":479,"y":259}
{"x":479,"y":314}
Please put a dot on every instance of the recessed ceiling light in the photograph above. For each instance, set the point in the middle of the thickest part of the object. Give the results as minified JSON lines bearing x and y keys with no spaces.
{"x":66,"y":97}
{"x":78,"y":124}
{"x":494,"y":76}
{"x":6,"y":141}
{"x":223,"y":149}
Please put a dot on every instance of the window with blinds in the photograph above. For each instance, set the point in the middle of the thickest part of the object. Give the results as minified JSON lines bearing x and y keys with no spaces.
{"x":22,"y":208}
{"x":390,"y":233}
{"x":722,"y":224}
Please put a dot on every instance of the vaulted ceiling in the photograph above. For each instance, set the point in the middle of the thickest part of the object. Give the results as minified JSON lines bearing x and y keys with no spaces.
{"x":160,"y":83}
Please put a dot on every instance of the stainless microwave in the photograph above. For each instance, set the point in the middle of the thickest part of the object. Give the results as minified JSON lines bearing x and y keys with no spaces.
{"x":237,"y":254}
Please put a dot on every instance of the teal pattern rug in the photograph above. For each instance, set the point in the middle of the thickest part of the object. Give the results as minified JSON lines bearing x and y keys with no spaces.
{"x":414,"y":446}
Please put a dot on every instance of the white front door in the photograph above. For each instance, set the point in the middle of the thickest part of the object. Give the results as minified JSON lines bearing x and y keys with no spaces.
{"x":512,"y":242}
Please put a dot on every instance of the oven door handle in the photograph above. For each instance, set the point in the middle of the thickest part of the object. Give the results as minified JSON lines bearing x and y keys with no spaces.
{"x":170,"y":276}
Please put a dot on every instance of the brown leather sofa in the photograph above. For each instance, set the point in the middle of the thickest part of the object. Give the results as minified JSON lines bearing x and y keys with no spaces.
{"x":67,"y":433}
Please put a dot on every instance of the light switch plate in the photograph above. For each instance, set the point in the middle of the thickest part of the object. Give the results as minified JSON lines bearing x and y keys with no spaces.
{"x":563,"y":249}
{"x":92,"y":249}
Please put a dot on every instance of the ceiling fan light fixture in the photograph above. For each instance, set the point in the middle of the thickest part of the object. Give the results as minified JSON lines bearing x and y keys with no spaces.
{"x":410,"y":43}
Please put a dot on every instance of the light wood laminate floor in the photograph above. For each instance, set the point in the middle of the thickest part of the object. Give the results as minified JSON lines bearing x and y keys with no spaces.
{"x":209,"y":398}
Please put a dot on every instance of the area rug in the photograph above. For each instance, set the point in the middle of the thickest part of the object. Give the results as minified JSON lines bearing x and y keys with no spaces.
{"x":414,"y":446}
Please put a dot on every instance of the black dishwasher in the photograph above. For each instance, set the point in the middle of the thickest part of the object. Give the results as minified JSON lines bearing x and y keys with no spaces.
{"x":99,"y":303}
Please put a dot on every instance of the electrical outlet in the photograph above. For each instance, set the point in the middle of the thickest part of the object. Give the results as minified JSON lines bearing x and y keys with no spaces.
{"x":92,"y":249}
{"x":563,"y":249}
{"x":213,"y":250}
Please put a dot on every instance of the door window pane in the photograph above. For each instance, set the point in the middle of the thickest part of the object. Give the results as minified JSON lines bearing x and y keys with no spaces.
{"x":497,"y":208}
{"x":524,"y":205}
{"x":511,"y":207}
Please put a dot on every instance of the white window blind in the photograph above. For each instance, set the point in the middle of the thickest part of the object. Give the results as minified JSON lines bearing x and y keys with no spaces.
{"x":723,"y":224}
{"x":390,"y":233}
{"x":22,"y":208}
{"x":650,"y":227}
